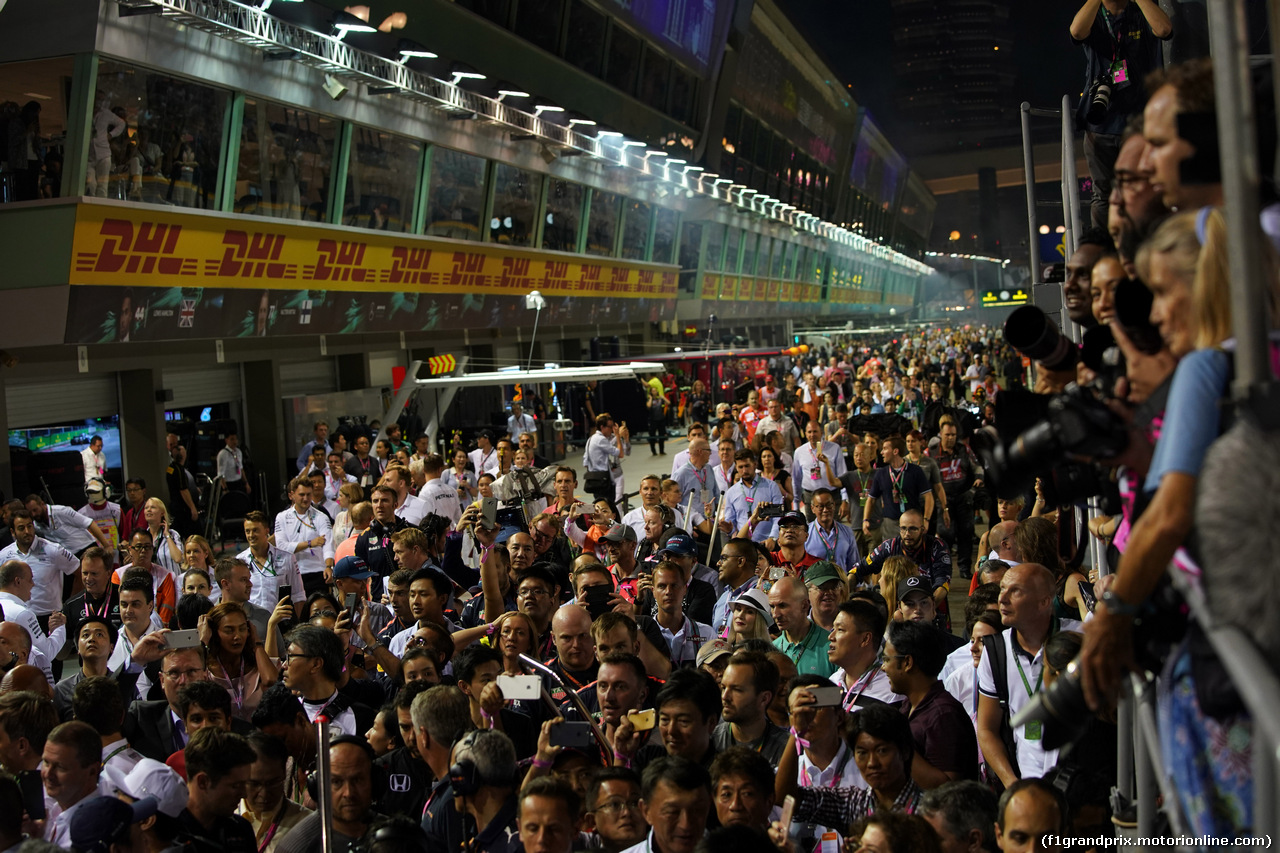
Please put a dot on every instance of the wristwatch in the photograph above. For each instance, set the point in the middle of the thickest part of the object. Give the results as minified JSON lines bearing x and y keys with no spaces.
{"x":1118,"y":606}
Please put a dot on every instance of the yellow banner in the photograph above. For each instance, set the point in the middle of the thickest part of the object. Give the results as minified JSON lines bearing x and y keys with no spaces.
{"x":163,"y":248}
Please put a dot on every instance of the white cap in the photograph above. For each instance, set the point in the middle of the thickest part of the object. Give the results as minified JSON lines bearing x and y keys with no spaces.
{"x":758,"y":600}
{"x":151,"y":778}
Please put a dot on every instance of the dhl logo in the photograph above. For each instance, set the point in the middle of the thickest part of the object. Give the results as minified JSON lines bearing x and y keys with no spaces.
{"x":253,"y":255}
{"x":147,"y":248}
{"x":410,"y":266}
{"x":339,"y":260}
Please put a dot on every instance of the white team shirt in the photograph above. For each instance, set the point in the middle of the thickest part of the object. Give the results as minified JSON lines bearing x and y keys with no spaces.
{"x":292,"y":527}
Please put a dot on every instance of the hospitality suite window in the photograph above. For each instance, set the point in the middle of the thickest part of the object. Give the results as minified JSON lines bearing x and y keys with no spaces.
{"x":515,"y":205}
{"x":286,"y":162}
{"x":382,"y":174}
{"x":455,"y":200}
{"x":602,"y":223}
{"x":564,"y":215}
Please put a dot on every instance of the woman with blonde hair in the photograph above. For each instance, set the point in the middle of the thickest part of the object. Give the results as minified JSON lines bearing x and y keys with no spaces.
{"x":750,"y":618}
{"x":895,"y":570}
{"x":197,"y":553}
{"x":237,"y":662}
{"x":168,"y":542}
{"x":349,"y":494}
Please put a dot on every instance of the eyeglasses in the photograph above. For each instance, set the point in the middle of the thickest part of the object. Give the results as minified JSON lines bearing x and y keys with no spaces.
{"x":617,"y":806}
{"x":291,"y":656}
{"x":910,"y":529}
{"x":182,"y":674}
{"x":141,"y":549}
{"x":532,"y":592}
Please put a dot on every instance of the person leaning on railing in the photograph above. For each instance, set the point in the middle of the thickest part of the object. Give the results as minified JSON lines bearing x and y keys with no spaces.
{"x":1192,"y":308}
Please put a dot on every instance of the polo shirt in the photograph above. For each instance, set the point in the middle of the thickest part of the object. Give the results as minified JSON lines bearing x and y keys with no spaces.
{"x":810,"y":654}
{"x":48,"y":562}
{"x":439,"y":498}
{"x":914,"y":486}
{"x":943,"y":732}
{"x":770,"y":745}
{"x":776,"y":559}
{"x":1033,"y":759}
{"x":66,"y":527}
{"x":684,"y":644}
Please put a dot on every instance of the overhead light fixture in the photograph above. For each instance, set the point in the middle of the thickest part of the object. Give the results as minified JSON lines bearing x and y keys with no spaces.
{"x":694,"y":169}
{"x":409,"y":49}
{"x":546,"y":107}
{"x":579,"y":120}
{"x":603,"y":132}
{"x":652,"y":153}
{"x":334,"y":88}
{"x":345,"y":22}
{"x":676,"y":162}
{"x":506,"y":90}
{"x":266,"y":4}
{"x":631,"y":143}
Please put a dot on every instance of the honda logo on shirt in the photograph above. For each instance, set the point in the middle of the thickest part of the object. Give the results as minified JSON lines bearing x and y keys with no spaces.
{"x":399,"y":783}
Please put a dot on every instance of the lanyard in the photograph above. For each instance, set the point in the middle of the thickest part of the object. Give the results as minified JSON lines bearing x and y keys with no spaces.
{"x":106,"y":606}
{"x":749,"y":498}
{"x":860,"y":686}
{"x":275,"y":824}
{"x":1025,"y":683}
{"x":267,"y":568}
{"x":829,"y":544}
{"x":115,"y":752}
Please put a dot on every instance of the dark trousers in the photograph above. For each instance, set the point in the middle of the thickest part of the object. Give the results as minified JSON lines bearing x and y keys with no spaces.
{"x":657,"y":435}
{"x":960,"y":533}
{"x":1100,"y":152}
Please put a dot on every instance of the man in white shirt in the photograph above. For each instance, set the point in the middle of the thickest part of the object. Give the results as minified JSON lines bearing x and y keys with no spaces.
{"x":96,"y":700}
{"x":313,"y":664}
{"x":438,"y":497}
{"x":48,"y":561}
{"x":231,"y":466}
{"x":856,"y":637}
{"x":684,"y":636}
{"x":484,"y":459}
{"x":520,"y":423}
{"x":696,"y":430}
{"x":95,"y":461}
{"x":650,"y":495}
{"x":1026,"y":608}
{"x":70,"y":770}
{"x":65,"y":526}
{"x":270,"y":567}
{"x":408,"y":507}
{"x":304,"y":532}
{"x":15,"y":592}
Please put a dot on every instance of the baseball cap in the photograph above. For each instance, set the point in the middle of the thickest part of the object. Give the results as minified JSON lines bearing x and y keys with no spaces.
{"x":793,"y":518}
{"x":757,"y":599}
{"x":151,"y":779}
{"x":821,"y":572}
{"x":915,"y":584}
{"x":620,"y":533}
{"x":352,"y":567}
{"x":681,"y":544}
{"x":100,"y":822}
{"x":712,"y":650}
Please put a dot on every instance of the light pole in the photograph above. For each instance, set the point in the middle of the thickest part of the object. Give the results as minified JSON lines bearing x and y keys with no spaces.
{"x":535,"y":301}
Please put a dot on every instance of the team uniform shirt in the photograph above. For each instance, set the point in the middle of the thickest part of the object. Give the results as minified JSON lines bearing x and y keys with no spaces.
{"x":957,"y":469}
{"x":373,"y":545}
{"x":704,"y":485}
{"x":837,"y":545}
{"x":107,"y":517}
{"x":776,"y":558}
{"x":277,"y":569}
{"x":16,"y":610}
{"x":1023,"y":672}
{"x":741,"y":501}
{"x":67,"y":528}
{"x":95,"y":464}
{"x":230,"y":465}
{"x":49,"y":561}
{"x":120,"y":755}
{"x":682,"y":459}
{"x":903,"y":488}
{"x":441,"y":499}
{"x":810,"y":474}
{"x":933,"y":559}
{"x":518,"y":426}
{"x":484,"y":462}
{"x":293,"y":527}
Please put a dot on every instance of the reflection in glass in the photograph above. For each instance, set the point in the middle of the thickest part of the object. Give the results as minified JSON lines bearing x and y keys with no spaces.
{"x":33,"y":108}
{"x":624,"y":60}
{"x":635,"y":229}
{"x":731,"y":250}
{"x":455,"y":201}
{"x":715,"y":247}
{"x":664,"y":235}
{"x":564,"y":211}
{"x":585,"y":46}
{"x":381,"y":178}
{"x":154,"y":138}
{"x":515,"y":204}
{"x":749,"y":253}
{"x":690,"y":246}
{"x":602,"y":223}
{"x":286,"y":156}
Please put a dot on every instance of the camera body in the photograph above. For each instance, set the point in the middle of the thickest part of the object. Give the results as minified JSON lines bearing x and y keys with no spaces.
{"x":1099,"y":97}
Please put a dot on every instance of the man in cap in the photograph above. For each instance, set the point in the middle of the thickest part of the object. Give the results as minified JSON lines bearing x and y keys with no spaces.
{"x":151,"y":780}
{"x":791,"y":553}
{"x":827,"y":591}
{"x":683,"y":634}
{"x":800,"y":639}
{"x":109,"y":825}
{"x":746,"y":689}
{"x":713,"y":657}
{"x":679,"y":547}
{"x":620,"y":541}
{"x":915,"y":604}
{"x":351,"y":577}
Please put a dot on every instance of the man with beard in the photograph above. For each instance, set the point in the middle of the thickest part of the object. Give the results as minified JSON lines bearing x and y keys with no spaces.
{"x":929,"y":553}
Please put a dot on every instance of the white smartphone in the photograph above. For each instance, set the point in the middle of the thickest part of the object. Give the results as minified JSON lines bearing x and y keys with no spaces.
{"x":520,"y":686}
{"x":182,"y":639}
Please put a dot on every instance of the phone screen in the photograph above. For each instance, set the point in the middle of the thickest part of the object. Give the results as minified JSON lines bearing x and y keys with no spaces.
{"x":286,"y":593}
{"x":32,"y":794}
{"x":350,"y":604}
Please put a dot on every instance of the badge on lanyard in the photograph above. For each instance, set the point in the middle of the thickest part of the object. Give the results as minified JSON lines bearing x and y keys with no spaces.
{"x":1120,"y":71}
{"x":706,"y":496}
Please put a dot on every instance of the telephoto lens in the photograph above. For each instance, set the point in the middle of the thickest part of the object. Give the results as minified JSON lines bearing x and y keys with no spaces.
{"x":1030,"y":331}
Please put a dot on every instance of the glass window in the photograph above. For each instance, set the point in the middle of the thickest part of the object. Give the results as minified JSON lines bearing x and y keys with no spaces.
{"x":664,"y":236}
{"x":747,"y":139}
{"x":515,"y":204}
{"x":624,"y":60}
{"x":683,"y":86}
{"x":34,"y":99}
{"x":731,"y":243}
{"x":789,"y":260}
{"x":690,"y":245}
{"x":602,"y":223}
{"x":654,"y":78}
{"x":155,"y":138}
{"x":381,"y":179}
{"x":538,"y":21}
{"x":286,"y":156}
{"x":779,"y":252}
{"x":585,"y":46}
{"x":564,"y":211}
{"x":635,"y":229}
{"x":455,"y":201}
{"x":715,"y":248}
{"x":750,"y":245}
{"x":494,"y":10}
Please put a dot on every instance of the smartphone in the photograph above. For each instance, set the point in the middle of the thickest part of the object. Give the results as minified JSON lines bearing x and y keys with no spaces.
{"x":788,"y":809}
{"x":520,"y":686}
{"x":286,"y":593}
{"x":32,"y":794}
{"x":826,"y":697}
{"x":182,"y":639}
{"x":1086,"y":592}
{"x":573,"y":735}
{"x":777,"y":573}
{"x":770,"y":511}
{"x":644,"y":720}
{"x":489,"y":513}
{"x":598,"y":600}
{"x":350,"y":604}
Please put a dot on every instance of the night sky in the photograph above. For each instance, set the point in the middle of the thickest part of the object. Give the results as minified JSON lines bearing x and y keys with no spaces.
{"x":855,"y":39}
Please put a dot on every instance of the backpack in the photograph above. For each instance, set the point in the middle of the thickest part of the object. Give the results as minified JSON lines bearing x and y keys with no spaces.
{"x":995,"y":648}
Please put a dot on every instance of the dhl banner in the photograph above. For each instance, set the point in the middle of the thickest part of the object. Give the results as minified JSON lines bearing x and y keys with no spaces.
{"x":163,"y":248}
{"x":155,"y":275}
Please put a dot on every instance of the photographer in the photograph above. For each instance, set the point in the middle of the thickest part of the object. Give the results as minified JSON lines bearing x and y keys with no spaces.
{"x":1121,"y":46}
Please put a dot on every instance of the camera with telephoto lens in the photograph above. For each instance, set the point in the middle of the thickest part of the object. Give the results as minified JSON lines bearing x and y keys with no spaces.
{"x":1099,"y":97}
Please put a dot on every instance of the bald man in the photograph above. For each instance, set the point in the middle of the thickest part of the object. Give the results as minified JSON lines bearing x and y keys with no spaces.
{"x":802,"y":640}
{"x":24,"y":676}
{"x":997,"y":544}
{"x":1011,"y":667}
{"x":575,"y":660}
